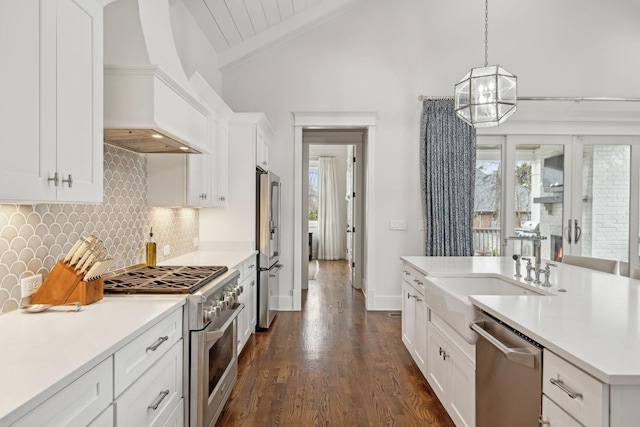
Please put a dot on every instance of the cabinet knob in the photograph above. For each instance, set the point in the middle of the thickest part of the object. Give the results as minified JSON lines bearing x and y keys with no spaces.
{"x":68,"y":181}
{"x":55,"y":179}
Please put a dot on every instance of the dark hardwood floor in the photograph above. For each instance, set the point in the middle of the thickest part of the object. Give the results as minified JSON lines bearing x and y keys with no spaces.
{"x":332,"y":364}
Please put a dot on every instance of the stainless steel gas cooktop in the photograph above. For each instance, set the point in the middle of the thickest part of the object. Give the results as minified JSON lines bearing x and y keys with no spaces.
{"x":162,"y":279}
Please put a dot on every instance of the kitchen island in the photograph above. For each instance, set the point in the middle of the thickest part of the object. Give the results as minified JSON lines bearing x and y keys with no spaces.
{"x":591,"y":320}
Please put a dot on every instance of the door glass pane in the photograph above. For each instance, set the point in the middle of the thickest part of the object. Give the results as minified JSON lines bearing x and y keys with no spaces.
{"x":487,"y":201}
{"x":539,"y":184}
{"x":605,"y":201}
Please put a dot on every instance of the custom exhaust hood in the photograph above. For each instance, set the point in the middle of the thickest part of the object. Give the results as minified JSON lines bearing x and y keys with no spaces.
{"x":148,"y":104}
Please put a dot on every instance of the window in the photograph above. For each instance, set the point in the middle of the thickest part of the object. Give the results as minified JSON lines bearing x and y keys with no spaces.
{"x":487,"y":201}
{"x":313,"y":193}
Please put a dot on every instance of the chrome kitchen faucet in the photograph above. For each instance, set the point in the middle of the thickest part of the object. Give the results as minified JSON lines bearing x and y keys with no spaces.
{"x":536,"y":239}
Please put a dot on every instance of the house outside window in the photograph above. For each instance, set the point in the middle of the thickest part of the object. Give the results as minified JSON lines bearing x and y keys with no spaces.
{"x":313,"y":194}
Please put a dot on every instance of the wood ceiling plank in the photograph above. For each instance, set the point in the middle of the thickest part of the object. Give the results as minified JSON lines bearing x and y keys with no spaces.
{"x":299,"y":6}
{"x":225,"y":22}
{"x":256,"y":14}
{"x":286,"y":9}
{"x":240,"y":16}
{"x":202,"y":15}
{"x":271,"y":11}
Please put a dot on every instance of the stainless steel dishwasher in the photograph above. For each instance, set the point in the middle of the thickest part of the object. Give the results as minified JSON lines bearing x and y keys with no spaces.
{"x":508,"y":377}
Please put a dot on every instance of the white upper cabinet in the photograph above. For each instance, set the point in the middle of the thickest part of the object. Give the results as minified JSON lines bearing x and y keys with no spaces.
{"x":261,"y":134}
{"x":51,"y":92}
{"x":196,"y":180}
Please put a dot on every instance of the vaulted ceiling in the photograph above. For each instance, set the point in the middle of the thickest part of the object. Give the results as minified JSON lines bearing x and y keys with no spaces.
{"x":240,"y":28}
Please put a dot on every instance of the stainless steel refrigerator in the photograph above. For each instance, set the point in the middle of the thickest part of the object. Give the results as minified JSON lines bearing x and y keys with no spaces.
{"x":268,"y":242}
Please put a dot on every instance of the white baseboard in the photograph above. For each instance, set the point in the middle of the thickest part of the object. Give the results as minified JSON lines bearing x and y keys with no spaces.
{"x":286,"y":304}
{"x":387,"y":303}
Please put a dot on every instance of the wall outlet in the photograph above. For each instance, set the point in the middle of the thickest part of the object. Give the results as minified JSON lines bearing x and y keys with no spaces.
{"x":398,"y":224}
{"x":196,"y":242}
{"x":30,"y":285}
{"x":167,"y":249}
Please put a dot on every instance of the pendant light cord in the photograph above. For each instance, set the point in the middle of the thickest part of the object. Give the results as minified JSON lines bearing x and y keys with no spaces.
{"x":486,"y":33}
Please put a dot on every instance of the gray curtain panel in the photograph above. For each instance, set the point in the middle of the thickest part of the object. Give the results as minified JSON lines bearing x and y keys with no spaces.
{"x":448,"y":161}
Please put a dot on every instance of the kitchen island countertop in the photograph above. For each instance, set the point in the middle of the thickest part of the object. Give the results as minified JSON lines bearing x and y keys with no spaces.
{"x":594,"y":323}
{"x":44,"y":352}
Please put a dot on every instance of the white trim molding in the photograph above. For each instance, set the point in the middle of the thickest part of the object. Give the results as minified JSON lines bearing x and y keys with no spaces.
{"x":346,"y":120}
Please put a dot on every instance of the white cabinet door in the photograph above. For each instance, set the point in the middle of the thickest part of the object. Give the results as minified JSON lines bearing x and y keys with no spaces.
{"x":262,"y":150}
{"x":408,"y":316}
{"x":26,"y":159}
{"x":452,"y":376}
{"x":437,"y":366}
{"x":220,"y":175}
{"x":151,"y":400}
{"x":79,"y":89}
{"x":51,"y":100}
{"x":78,"y":403}
{"x":248,"y":317}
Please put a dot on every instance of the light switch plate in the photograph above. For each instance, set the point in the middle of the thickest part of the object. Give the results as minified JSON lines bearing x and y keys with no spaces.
{"x":167,"y":249}
{"x":398,"y":224}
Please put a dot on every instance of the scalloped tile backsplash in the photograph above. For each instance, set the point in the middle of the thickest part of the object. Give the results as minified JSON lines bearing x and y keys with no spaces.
{"x":34,"y":237}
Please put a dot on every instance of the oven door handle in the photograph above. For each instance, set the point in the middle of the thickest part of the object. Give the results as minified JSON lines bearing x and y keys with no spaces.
{"x":216,"y":334}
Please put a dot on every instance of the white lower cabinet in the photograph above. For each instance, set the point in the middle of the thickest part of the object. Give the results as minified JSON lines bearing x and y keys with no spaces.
{"x":105,"y":419}
{"x":78,"y":403}
{"x":176,"y":418}
{"x":451,"y":374}
{"x":414,"y":325}
{"x":145,"y":376}
{"x":555,"y":416}
{"x":153,"y":397}
{"x":247,"y":319}
{"x":574,"y":391}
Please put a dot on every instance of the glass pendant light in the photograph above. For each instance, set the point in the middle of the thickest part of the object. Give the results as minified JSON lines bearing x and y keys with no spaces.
{"x":486,"y":96}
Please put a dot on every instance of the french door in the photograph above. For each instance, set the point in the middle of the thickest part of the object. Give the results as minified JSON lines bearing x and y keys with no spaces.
{"x":581,"y":192}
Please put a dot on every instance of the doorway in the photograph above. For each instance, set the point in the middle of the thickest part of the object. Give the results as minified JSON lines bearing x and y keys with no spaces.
{"x":336,"y":122}
{"x":343,"y":152}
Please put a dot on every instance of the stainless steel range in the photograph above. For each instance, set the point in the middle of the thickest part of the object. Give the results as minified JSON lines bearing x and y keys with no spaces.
{"x":210,"y":333}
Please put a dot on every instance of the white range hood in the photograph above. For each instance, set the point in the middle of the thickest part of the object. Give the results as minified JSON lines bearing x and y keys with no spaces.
{"x":148,"y":105}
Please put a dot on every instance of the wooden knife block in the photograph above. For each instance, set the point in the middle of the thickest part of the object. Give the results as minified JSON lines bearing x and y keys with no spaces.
{"x":64,"y":285}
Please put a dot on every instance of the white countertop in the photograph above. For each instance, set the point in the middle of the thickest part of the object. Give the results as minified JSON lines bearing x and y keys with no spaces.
{"x":228,"y":258}
{"x":595,"y":324}
{"x":44,"y":352}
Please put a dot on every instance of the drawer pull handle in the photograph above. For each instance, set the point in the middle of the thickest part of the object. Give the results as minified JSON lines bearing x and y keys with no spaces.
{"x":157,"y":344}
{"x":158,"y":400}
{"x":562,"y":386}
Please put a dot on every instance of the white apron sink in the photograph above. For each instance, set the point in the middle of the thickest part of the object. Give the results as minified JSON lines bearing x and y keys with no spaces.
{"x":448,"y":297}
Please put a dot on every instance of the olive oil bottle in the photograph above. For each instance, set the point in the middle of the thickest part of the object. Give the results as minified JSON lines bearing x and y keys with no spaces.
{"x":151,"y":249}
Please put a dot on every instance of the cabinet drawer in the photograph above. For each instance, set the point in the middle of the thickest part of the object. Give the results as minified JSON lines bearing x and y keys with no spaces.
{"x":246,"y":268}
{"x":589,"y":404}
{"x":137,"y":356}
{"x":176,"y":419}
{"x":105,"y":419}
{"x":152,"y":398}
{"x":554,"y":416}
{"x":76,"y":404}
{"x":414,"y":277}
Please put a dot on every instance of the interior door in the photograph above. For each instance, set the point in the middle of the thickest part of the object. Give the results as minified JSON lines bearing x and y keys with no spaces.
{"x":599,"y":223}
{"x":350,"y":215}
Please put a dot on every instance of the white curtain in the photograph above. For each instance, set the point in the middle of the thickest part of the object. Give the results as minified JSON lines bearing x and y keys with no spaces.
{"x":331,"y":239}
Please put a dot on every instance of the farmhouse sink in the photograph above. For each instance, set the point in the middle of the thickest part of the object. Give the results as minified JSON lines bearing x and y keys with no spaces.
{"x":448,"y":297}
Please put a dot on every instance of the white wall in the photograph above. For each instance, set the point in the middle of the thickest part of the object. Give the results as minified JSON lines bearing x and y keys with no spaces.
{"x":195,"y":51}
{"x":380,"y":55}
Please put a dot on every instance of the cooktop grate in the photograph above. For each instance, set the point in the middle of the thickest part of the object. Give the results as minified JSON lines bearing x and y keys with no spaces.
{"x":162,"y":280}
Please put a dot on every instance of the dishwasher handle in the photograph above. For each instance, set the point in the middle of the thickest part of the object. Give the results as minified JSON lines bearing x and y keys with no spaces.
{"x":517,"y":355}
